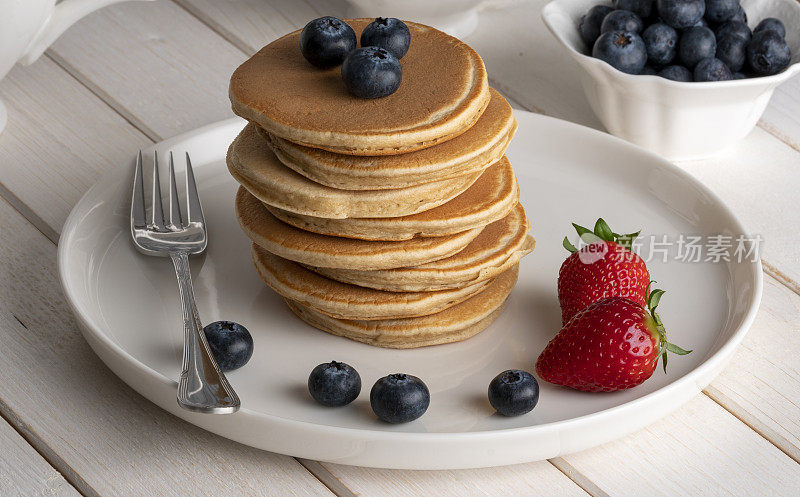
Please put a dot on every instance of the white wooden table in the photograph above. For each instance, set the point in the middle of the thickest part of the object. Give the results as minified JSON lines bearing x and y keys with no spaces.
{"x":136,"y":73}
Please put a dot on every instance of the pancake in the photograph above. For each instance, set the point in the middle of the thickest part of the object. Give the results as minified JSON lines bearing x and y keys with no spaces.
{"x":252,"y":163}
{"x":489,"y":198}
{"x":479,"y":147}
{"x":456,"y":323}
{"x":443,"y":92}
{"x":305,"y":247}
{"x":341,"y":300}
{"x":499,"y":246}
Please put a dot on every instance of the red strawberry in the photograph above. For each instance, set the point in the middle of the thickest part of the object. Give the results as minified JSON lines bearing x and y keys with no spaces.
{"x":606,"y":267}
{"x":611,"y":345}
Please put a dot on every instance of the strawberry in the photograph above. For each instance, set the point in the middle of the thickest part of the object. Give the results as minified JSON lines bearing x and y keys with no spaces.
{"x":611,"y":345}
{"x":606,"y":267}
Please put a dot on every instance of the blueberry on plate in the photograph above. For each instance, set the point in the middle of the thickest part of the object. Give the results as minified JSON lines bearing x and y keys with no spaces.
{"x":514,"y":392}
{"x":326,"y":41}
{"x":768,"y":53}
{"x":230,"y":343}
{"x":696,"y":43}
{"x":740,"y":15}
{"x":701,"y":22}
{"x":676,"y":73}
{"x":642,"y":8}
{"x":371,"y":72}
{"x":712,"y":69}
{"x":739,"y":75}
{"x":590,"y":23}
{"x":718,"y":11}
{"x":399,"y":398}
{"x":681,"y":14}
{"x":734,"y":28}
{"x":732,"y":50}
{"x":388,"y":33}
{"x":334,"y":384}
{"x":648,"y":70}
{"x":771,"y":24}
{"x":661,"y":41}
{"x":622,"y":20}
{"x":624,"y":51}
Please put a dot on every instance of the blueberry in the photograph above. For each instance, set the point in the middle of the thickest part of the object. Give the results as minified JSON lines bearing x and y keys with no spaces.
{"x":622,"y":20}
{"x":712,"y":69}
{"x":718,"y":11}
{"x":701,"y":22}
{"x":735,"y":28}
{"x":371,"y":72}
{"x":399,"y":398}
{"x":676,"y":73}
{"x":513,"y":392}
{"x":739,"y":75}
{"x":648,"y":70}
{"x":661,"y":41}
{"x":388,"y":33}
{"x":771,"y":24}
{"x":696,"y":44}
{"x":623,"y":51}
{"x":740,"y":15}
{"x":334,"y":384}
{"x":768,"y":53}
{"x":590,"y":23}
{"x":681,"y":14}
{"x":732,"y":50}
{"x":642,"y":8}
{"x":230,"y":343}
{"x":326,"y":41}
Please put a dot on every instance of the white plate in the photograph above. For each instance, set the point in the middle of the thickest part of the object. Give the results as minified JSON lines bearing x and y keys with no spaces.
{"x":129,"y":309}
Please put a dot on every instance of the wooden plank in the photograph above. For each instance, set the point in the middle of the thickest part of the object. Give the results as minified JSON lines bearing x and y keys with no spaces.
{"x":761,"y":385}
{"x":154,"y":63}
{"x":251,"y":24}
{"x":102,"y":435}
{"x":759,"y":181}
{"x":50,"y":152}
{"x":540,"y":478}
{"x":781,"y":117}
{"x":699,"y":450}
{"x":24,"y":473}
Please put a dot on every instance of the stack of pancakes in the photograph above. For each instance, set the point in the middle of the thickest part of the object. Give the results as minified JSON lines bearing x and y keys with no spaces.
{"x":392,"y":221}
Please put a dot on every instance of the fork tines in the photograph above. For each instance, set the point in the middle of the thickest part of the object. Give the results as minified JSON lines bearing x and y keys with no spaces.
{"x":177,"y":221}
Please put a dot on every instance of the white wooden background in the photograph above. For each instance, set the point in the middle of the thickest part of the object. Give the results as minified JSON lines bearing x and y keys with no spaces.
{"x":135,"y":73}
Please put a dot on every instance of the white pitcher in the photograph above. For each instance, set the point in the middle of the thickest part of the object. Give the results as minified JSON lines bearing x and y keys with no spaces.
{"x":28,"y":27}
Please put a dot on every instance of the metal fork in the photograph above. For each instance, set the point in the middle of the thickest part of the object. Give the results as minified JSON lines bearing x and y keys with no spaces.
{"x":202,"y":386}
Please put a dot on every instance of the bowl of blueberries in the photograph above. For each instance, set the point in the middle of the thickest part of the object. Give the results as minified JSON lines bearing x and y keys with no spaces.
{"x":683,"y":78}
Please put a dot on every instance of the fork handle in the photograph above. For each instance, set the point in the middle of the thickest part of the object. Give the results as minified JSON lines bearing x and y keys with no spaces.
{"x":202,"y":386}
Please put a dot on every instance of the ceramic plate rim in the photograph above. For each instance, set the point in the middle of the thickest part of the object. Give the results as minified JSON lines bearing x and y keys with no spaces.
{"x":92,"y":331}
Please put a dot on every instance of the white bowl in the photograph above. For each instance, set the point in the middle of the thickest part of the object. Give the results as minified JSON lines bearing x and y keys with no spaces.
{"x":677,"y":120}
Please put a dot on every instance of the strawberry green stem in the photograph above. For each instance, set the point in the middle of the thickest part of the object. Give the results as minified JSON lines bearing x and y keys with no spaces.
{"x":652,"y":299}
{"x":603,"y":232}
